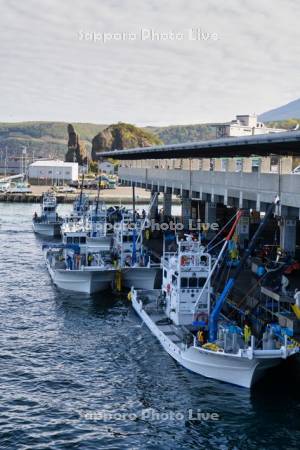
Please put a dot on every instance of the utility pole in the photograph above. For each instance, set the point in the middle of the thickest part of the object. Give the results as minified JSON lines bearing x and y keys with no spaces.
{"x":5,"y":165}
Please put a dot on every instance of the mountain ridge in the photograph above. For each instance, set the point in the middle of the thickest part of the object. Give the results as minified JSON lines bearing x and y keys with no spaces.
{"x":287,"y":111}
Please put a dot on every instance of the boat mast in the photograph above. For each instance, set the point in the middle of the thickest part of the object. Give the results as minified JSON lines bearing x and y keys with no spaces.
{"x":214,"y":316}
{"x":98,"y":195}
{"x":133,"y":258}
{"x":227,"y":239}
{"x":81,"y":190}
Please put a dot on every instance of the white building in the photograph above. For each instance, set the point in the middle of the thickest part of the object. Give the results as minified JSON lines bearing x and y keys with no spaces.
{"x":244,"y":125}
{"x":52,"y":172}
{"x":106,"y":167}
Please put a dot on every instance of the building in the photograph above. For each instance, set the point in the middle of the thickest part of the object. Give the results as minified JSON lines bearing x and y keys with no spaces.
{"x":106,"y":167}
{"x":244,"y":125}
{"x":52,"y":172}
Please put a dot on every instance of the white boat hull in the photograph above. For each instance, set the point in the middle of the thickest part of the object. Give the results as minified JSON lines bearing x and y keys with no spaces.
{"x":89,"y":281}
{"x":241,"y":371}
{"x":139,"y":277}
{"x":46,"y":229}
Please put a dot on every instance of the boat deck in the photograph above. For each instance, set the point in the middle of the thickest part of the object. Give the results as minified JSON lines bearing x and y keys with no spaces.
{"x":150,"y":304}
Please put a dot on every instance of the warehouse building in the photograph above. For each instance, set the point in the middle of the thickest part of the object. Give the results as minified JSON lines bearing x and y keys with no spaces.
{"x":51,"y":172}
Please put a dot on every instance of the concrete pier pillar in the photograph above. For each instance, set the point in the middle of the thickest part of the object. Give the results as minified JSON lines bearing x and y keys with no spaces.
{"x":153,"y":213}
{"x":210,"y":218}
{"x":210,"y":212}
{"x":186,"y":204}
{"x":167,"y":204}
{"x":288,"y":235}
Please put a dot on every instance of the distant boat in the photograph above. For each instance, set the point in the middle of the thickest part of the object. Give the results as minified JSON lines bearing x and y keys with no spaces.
{"x":19,"y":188}
{"x":48,"y":223}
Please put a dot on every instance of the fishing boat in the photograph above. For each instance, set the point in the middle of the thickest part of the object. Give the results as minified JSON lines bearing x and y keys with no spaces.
{"x":97,"y":228}
{"x":189,"y":324}
{"x":78,"y":265}
{"x":132,"y":258}
{"x":48,"y":223}
{"x":80,"y":207}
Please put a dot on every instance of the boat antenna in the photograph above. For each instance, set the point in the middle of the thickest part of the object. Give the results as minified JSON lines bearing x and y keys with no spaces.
{"x":98,"y":195}
{"x":81,"y":189}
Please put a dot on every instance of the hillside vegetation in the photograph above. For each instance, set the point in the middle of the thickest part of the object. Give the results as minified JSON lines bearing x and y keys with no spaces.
{"x":177,"y":134}
{"x":288,"y":124}
{"x":43,"y":139}
{"x":122,"y":135}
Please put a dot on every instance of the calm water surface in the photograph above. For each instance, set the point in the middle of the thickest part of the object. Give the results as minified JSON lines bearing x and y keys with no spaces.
{"x":65,"y":357}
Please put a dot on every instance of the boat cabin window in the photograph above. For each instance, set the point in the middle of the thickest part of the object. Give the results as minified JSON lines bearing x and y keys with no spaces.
{"x":76,"y":240}
{"x":69,"y":240}
{"x":184,"y":282}
{"x":82,"y":240}
{"x":201,"y":281}
{"x":192,"y":282}
{"x":165,"y":274}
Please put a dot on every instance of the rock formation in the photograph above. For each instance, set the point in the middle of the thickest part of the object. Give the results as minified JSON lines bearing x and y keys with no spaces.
{"x":122,"y":135}
{"x":76,"y":149}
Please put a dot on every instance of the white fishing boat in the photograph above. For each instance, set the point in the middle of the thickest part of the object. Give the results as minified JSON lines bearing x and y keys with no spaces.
{"x":75,"y":265}
{"x":133,"y":260}
{"x":48,"y":223}
{"x":96,"y":223}
{"x":193,"y":331}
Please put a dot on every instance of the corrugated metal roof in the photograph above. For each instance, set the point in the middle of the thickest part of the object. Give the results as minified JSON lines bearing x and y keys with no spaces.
{"x":53,"y":163}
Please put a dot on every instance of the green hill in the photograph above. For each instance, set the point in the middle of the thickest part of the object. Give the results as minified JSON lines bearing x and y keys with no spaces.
{"x":176,"y":134}
{"x":43,"y":139}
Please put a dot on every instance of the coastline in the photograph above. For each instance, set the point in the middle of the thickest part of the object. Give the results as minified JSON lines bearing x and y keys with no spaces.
{"x":122,"y":194}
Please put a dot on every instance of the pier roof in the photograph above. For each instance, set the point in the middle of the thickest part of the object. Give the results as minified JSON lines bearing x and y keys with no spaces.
{"x":285,"y":144}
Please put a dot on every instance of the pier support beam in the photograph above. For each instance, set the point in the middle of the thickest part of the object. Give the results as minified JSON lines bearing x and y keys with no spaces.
{"x":288,"y":235}
{"x":167,"y":204}
{"x":186,"y":204}
{"x":153,"y":213}
{"x":210,"y":212}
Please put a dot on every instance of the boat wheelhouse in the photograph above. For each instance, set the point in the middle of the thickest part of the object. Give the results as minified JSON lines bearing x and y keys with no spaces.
{"x":48,"y":222}
{"x":133,"y":259}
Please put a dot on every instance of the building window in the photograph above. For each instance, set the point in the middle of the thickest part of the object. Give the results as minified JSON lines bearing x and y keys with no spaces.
{"x":238,"y":165}
{"x":224,"y":164}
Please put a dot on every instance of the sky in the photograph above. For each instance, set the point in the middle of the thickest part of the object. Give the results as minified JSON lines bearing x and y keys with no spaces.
{"x":146,"y":62}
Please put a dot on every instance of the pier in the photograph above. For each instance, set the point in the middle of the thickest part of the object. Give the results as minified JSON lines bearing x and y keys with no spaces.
{"x":121,"y":194}
{"x":207,"y":178}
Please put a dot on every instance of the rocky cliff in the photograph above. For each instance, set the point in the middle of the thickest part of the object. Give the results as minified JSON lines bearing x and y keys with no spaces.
{"x":120,"y":136}
{"x":76,"y":149}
